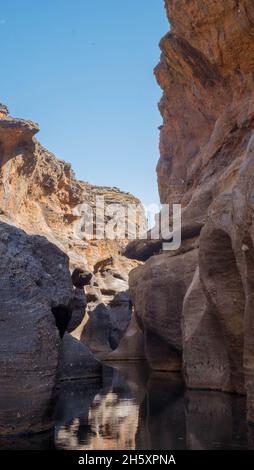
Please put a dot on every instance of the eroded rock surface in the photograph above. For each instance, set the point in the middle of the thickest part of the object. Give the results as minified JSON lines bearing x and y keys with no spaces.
{"x":157,"y":291}
{"x":108,"y":312}
{"x":205,"y":361}
{"x":35,"y":284}
{"x":206,"y":165}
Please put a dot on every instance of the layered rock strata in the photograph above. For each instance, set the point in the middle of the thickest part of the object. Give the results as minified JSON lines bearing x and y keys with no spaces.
{"x":206,"y":73}
{"x":40,"y":194}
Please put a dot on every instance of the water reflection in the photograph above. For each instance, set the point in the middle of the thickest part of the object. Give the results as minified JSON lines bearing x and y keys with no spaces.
{"x":216,"y":421}
{"x":132,"y":408}
{"x":107,"y":421}
{"x":135,"y":409}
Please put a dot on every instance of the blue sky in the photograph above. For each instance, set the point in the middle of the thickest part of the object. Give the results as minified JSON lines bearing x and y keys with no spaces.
{"x":83,"y":69}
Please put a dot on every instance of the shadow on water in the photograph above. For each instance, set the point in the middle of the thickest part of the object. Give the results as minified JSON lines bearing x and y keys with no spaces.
{"x":132,"y":408}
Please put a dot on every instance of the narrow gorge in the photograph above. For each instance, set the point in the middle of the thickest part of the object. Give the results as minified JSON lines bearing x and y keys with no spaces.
{"x":172,"y":323}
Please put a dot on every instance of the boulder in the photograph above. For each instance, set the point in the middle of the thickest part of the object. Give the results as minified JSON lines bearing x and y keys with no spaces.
{"x":81,"y":277}
{"x":78,"y":307}
{"x":35,"y":287}
{"x":93,"y":295}
{"x":77,"y":361}
{"x":105,"y":326}
{"x":108,"y":306}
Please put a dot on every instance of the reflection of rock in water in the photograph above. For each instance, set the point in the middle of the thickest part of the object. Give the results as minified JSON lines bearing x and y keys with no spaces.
{"x":215,"y":421}
{"x":72,"y":422}
{"x":133,"y":408}
{"x":97,"y":416}
{"x":162,"y":421}
{"x":114,"y":422}
{"x":161,"y":406}
{"x":115,"y":416}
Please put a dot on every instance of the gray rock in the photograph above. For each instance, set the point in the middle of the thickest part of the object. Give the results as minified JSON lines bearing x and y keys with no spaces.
{"x":77,"y":361}
{"x":35,"y":283}
{"x":81,"y":277}
{"x":78,"y":307}
{"x":106,"y":326}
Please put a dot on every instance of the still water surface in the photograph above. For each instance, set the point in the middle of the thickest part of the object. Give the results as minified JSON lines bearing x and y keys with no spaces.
{"x":132,"y":408}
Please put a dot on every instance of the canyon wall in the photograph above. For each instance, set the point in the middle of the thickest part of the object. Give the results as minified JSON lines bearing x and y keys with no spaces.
{"x":194,"y":306}
{"x":46,"y":262}
{"x":40,"y":194}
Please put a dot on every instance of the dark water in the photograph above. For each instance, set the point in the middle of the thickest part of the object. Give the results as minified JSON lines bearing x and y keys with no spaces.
{"x":134,"y":409}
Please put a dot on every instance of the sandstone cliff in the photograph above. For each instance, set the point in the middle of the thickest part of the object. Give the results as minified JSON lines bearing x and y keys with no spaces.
{"x":196,"y":304}
{"x":40,"y":194}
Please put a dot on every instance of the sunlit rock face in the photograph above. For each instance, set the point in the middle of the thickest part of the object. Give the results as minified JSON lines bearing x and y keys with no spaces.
{"x":206,"y":165}
{"x":41,"y":195}
{"x":206,"y":73}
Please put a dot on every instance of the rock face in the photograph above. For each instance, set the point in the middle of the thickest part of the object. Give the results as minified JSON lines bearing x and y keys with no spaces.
{"x":205,"y":360}
{"x":105,"y":326}
{"x":157,"y":291}
{"x":76,"y":360}
{"x":206,"y":73}
{"x":36,"y":303}
{"x":40,"y":194}
{"x":131,"y":346}
{"x":193,"y":308}
{"x":108,"y":311}
{"x":206,"y":165}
